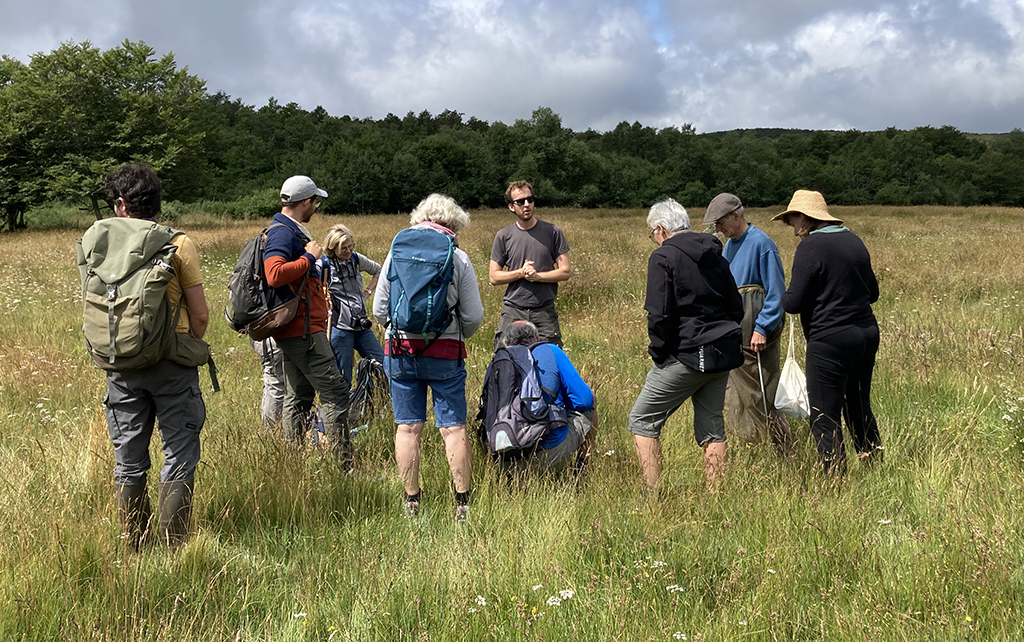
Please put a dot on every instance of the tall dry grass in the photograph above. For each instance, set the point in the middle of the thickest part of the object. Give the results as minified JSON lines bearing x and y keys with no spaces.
{"x":927,"y":546}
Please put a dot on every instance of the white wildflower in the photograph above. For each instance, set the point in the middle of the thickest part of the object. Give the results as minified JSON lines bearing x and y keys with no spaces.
{"x":481,"y":601}
{"x":885,"y":521}
{"x":553,"y":601}
{"x":537,"y":586}
{"x":567,"y":594}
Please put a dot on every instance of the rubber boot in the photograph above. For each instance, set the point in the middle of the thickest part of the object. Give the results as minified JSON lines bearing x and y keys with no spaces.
{"x":342,"y":443}
{"x":175,"y":511}
{"x":135,"y":513}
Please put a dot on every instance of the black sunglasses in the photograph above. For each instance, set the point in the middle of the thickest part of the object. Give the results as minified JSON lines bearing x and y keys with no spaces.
{"x":524,"y":200}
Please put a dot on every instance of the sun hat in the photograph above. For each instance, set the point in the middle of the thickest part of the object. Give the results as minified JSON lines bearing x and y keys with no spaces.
{"x":299,"y":188}
{"x":810,"y":204}
{"x":721,"y":206}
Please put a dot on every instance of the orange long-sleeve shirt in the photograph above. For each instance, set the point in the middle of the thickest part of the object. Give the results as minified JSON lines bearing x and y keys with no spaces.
{"x":281,"y":272}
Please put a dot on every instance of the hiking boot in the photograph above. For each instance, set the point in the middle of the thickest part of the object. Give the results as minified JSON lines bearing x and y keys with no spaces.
{"x":175,"y":511}
{"x":135,"y":513}
{"x":461,"y":513}
{"x":412,"y":508}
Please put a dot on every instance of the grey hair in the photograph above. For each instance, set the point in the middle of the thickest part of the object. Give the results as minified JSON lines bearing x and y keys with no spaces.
{"x":520,"y":333}
{"x":670,"y":215}
{"x":440,"y":209}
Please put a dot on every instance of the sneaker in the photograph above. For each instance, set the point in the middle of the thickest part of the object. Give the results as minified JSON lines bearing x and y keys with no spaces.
{"x":412,"y":509}
{"x":461,"y":514}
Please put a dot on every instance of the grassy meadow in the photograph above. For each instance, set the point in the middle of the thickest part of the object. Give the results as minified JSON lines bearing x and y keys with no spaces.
{"x":930,"y":545}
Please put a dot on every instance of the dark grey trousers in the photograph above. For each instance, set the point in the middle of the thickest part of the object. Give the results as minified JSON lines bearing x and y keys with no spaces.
{"x":546,"y":320}
{"x":167,"y":392}
{"x":310,"y":368}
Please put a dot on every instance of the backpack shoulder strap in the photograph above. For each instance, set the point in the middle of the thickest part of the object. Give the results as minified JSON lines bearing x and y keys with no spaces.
{"x":551,"y":393}
{"x":297,"y":233}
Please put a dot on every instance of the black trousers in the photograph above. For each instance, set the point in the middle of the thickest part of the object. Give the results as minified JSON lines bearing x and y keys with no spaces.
{"x":839,"y":368}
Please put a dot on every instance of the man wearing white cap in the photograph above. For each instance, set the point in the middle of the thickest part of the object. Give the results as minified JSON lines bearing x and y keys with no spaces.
{"x":757,"y":269}
{"x":309,"y":365}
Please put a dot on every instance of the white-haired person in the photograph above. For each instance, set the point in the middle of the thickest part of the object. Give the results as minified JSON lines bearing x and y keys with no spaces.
{"x":350,"y":328}
{"x":562,"y":385}
{"x":693,"y":321}
{"x":414,"y":363}
{"x":832,"y":287}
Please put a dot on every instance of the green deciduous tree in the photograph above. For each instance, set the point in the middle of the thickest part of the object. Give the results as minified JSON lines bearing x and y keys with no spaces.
{"x":77,"y":113}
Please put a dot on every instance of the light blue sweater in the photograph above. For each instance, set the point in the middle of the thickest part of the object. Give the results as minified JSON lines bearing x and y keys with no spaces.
{"x":754,"y":260}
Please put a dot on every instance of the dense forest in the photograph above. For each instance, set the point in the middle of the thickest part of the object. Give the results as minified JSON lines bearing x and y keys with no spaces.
{"x":69,"y":116}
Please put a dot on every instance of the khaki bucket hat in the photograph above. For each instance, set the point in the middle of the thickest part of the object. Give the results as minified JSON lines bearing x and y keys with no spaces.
{"x":810,"y":204}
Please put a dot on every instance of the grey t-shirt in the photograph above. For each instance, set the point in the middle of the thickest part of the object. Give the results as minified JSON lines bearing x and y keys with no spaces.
{"x":543,"y":244}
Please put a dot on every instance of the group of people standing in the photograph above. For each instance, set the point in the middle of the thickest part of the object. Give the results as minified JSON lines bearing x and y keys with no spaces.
{"x":530,"y":257}
{"x":715,"y":318}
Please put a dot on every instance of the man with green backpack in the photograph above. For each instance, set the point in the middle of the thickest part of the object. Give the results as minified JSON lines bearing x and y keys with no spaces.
{"x":145,"y":314}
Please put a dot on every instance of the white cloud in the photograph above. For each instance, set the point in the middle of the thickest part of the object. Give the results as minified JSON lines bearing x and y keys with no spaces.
{"x":734,"y":63}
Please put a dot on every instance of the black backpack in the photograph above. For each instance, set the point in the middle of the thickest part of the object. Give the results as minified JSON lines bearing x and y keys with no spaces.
{"x":255,"y":308}
{"x":514,"y":417}
{"x":370,"y":396}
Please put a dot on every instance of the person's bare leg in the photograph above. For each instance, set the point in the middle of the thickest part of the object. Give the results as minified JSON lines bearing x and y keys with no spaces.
{"x":648,"y":450}
{"x":460,"y":456}
{"x":715,"y":456}
{"x":407,"y":455}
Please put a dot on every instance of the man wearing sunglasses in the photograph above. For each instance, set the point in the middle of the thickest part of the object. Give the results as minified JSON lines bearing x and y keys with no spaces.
{"x":309,"y":367}
{"x":530,"y":257}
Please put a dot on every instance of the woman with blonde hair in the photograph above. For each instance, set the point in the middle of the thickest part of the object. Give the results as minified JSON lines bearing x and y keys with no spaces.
{"x":351,"y":328}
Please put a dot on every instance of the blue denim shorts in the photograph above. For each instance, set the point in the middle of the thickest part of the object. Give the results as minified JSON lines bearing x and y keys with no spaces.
{"x":410,"y":377}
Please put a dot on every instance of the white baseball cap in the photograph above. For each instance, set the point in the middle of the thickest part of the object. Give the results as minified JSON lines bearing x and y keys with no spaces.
{"x":299,"y":188}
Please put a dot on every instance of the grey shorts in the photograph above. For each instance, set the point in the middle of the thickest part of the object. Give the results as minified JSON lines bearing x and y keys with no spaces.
{"x":545,"y":318}
{"x":665,"y":390}
{"x":579,"y":425}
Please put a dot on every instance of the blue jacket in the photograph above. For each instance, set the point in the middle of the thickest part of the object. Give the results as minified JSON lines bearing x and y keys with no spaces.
{"x":559,"y":376}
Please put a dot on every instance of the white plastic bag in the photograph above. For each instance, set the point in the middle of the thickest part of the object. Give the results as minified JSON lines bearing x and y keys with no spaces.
{"x":791,"y":396}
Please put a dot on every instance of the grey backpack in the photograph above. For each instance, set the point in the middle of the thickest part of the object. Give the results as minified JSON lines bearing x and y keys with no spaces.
{"x":514,"y":416}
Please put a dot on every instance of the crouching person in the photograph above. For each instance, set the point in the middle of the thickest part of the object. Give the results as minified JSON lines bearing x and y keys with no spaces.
{"x":693,"y":314}
{"x":562,"y":386}
{"x":144,"y":317}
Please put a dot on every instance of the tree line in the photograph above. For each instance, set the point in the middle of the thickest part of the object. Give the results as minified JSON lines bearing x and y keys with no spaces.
{"x":70,"y":116}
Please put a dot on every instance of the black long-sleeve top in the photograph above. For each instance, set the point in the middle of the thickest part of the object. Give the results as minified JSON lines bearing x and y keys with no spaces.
{"x":691,"y":296}
{"x":832,"y":284}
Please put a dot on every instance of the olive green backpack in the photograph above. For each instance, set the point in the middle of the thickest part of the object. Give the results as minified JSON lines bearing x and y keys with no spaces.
{"x":125,"y":265}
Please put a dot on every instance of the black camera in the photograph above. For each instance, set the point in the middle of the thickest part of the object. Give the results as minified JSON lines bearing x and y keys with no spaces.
{"x":362,"y":323}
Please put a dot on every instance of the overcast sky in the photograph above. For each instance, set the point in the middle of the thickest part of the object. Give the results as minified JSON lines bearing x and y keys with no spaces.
{"x":812,"y":64}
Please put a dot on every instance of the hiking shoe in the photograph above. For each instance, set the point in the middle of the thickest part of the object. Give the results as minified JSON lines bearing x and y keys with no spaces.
{"x":412,"y":509}
{"x":461,"y":514}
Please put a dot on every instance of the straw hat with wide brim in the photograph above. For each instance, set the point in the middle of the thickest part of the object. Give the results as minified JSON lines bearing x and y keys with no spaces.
{"x":810,"y":204}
